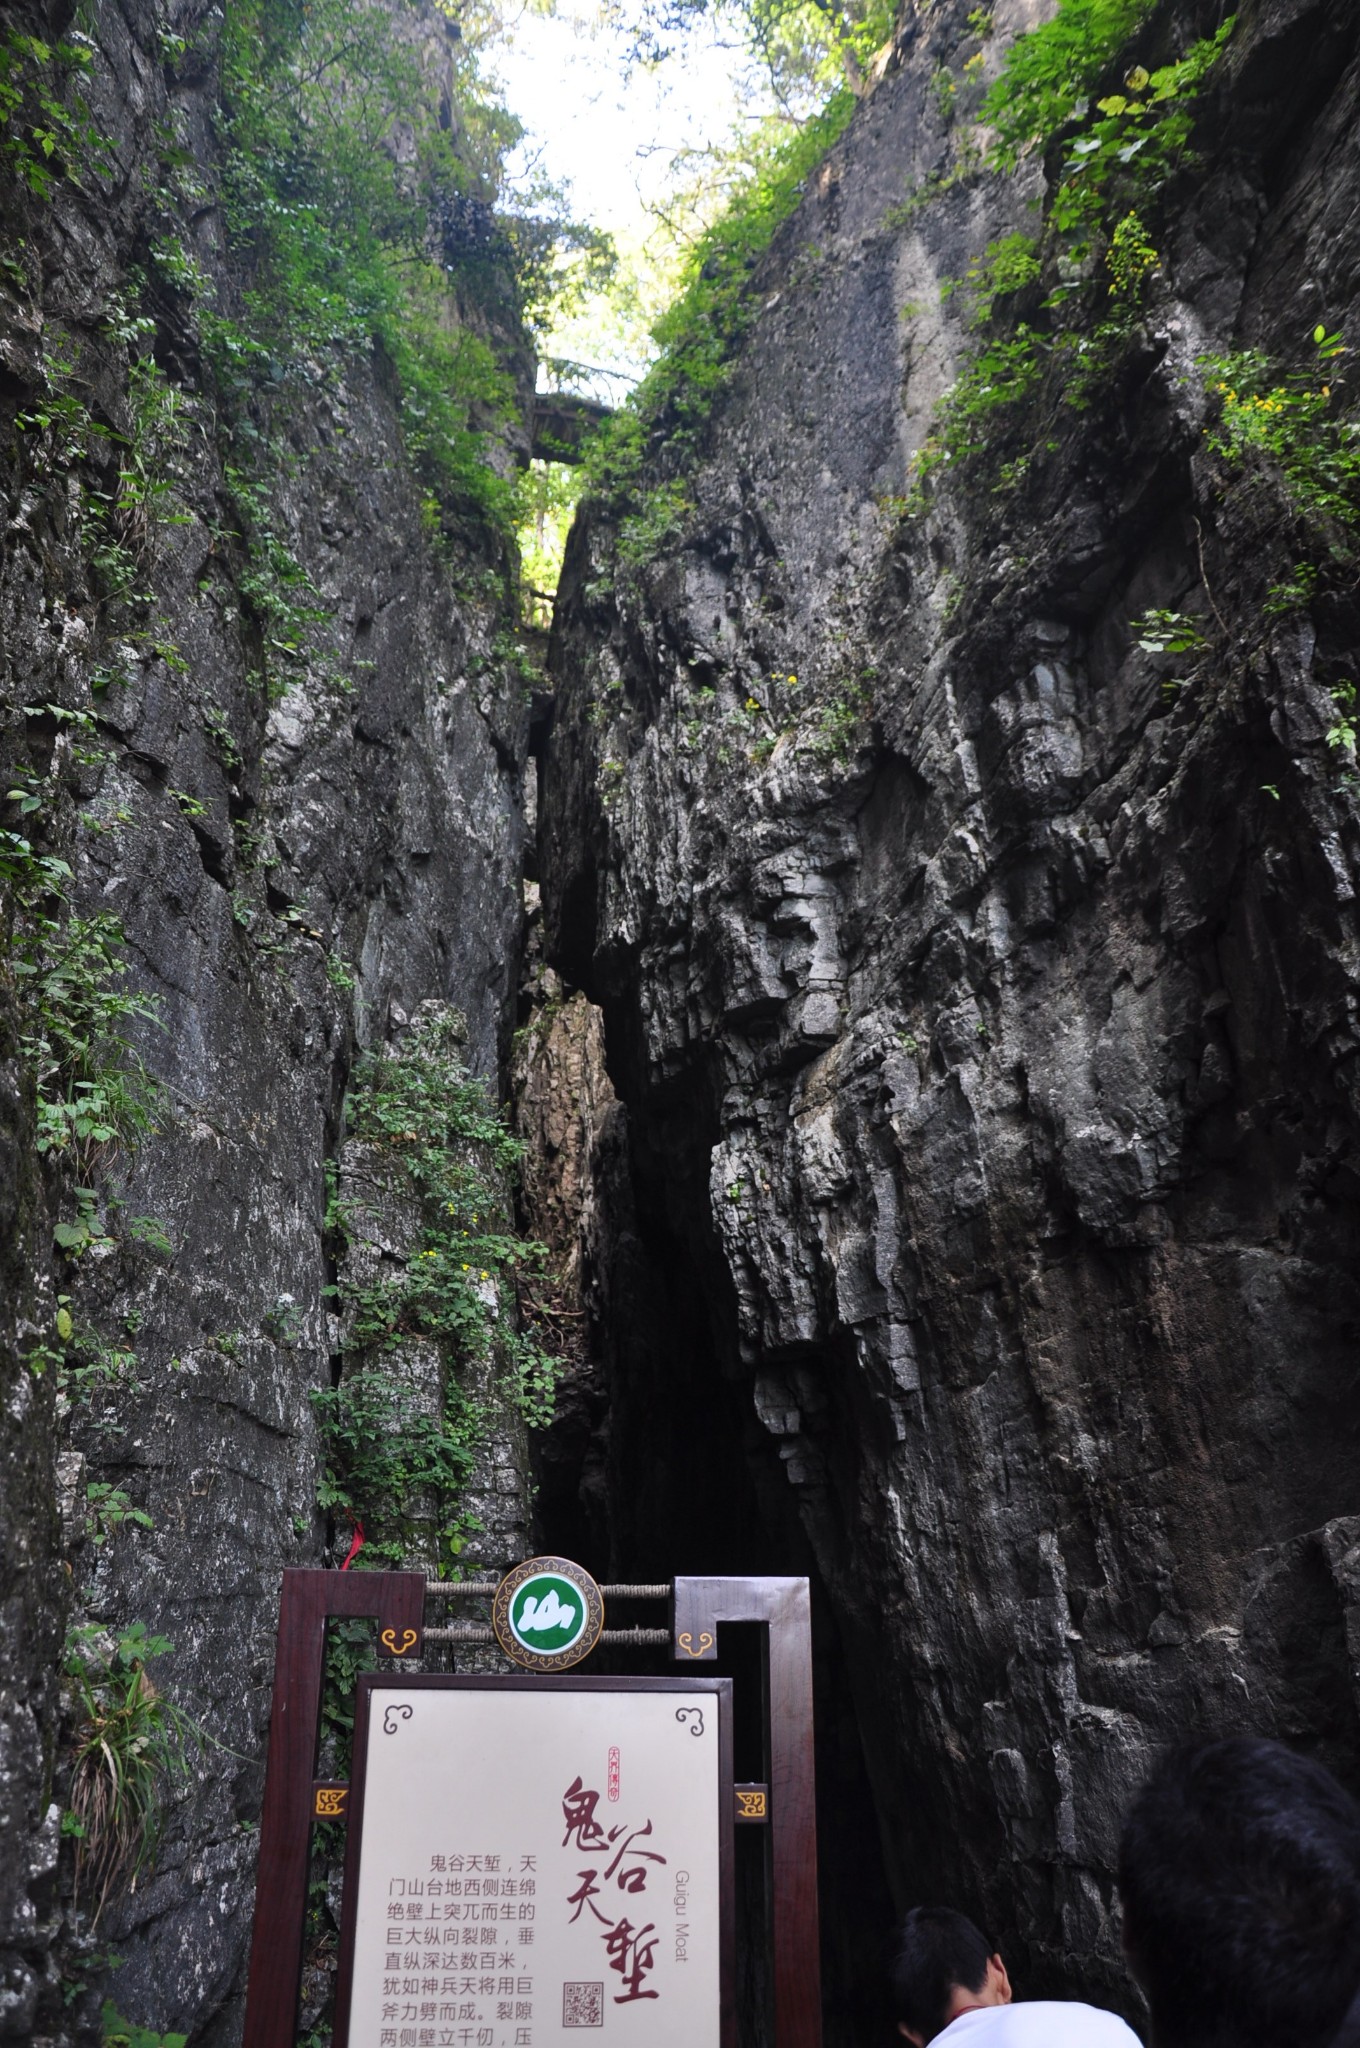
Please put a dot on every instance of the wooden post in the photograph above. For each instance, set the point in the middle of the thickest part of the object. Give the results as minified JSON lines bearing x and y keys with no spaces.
{"x":396,"y":1600}
{"x":784,"y":1606}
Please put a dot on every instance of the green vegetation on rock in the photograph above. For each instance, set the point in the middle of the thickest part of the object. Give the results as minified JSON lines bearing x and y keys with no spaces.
{"x":121,"y":2033}
{"x":93,"y":1091}
{"x":1055,"y":311}
{"x":349,"y":243}
{"x":45,"y":130}
{"x":1285,"y":420}
{"x":399,"y":1450}
{"x":1050,"y":73}
{"x":333,"y":233}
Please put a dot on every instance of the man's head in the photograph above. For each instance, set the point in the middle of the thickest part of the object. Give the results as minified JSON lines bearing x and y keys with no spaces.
{"x":943,"y":1966}
{"x":1239,"y":1874}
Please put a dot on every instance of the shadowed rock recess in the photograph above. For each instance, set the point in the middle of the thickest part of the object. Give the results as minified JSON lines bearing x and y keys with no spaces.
{"x":982,"y":1005}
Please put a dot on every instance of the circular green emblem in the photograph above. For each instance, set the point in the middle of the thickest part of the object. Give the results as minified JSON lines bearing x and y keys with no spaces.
{"x":547,"y":1614}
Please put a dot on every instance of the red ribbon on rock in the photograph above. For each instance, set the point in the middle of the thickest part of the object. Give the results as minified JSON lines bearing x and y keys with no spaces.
{"x":357,"y":1545}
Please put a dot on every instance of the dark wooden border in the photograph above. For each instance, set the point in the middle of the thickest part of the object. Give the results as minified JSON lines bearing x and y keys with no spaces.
{"x":396,"y":1600}
{"x":372,"y":1681}
{"x":785,"y":1607}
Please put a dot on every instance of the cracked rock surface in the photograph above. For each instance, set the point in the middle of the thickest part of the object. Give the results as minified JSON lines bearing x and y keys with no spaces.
{"x":984,"y":1013}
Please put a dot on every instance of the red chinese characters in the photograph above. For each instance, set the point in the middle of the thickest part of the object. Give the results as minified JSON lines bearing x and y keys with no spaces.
{"x":617,"y":1864}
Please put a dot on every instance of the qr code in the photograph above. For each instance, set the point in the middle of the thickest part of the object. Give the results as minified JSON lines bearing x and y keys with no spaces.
{"x":583,"y":2005}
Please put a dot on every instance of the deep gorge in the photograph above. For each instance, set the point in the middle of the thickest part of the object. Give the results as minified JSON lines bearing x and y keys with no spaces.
{"x":907,"y":911}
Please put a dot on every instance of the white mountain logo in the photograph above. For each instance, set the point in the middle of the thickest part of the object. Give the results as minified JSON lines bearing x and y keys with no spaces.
{"x":537,"y":1615}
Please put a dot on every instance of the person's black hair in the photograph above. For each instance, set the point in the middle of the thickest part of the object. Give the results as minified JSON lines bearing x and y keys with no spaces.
{"x":1239,"y":1873}
{"x":937,"y":1948}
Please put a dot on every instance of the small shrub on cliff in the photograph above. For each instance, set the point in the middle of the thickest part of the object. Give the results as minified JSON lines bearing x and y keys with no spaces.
{"x":1341,"y":734}
{"x":45,"y":130}
{"x":1051,"y":73}
{"x":997,"y":381}
{"x":1283,"y":434}
{"x":1130,"y":259}
{"x":94,"y":1093}
{"x":128,"y":1742}
{"x":1009,"y":264}
{"x":1139,"y":141}
{"x":122,"y":517}
{"x":657,"y":517}
{"x":1167,"y":632}
{"x":1289,"y":421}
{"x":387,"y":1455}
{"x":93,"y":1089}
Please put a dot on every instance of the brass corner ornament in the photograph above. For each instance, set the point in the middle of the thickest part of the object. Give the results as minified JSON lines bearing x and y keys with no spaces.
{"x":399,"y":1642}
{"x":547,"y":1614}
{"x":753,"y":1802}
{"x":330,"y":1801}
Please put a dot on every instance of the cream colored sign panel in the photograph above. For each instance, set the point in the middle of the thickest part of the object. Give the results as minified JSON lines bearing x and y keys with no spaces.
{"x":538,"y":1867}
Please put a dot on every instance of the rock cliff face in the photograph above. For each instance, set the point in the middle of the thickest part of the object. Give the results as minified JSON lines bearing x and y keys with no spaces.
{"x":941,"y":1084}
{"x":982,"y":1006}
{"x":295,"y":868}
{"x":30,"y":1550}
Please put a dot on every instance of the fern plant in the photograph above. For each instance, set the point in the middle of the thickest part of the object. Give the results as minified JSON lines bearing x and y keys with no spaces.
{"x":129,"y":1741}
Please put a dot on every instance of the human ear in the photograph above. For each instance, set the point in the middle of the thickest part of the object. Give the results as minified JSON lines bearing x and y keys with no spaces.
{"x":998,"y":1982}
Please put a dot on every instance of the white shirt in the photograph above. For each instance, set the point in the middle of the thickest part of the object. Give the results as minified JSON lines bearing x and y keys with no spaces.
{"x":1039,"y":2023}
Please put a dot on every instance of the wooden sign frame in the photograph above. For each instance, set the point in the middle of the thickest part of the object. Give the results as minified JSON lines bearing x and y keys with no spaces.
{"x":779,"y":1607}
{"x":783,"y":1608}
{"x":396,"y":1601}
{"x":417,"y":1682}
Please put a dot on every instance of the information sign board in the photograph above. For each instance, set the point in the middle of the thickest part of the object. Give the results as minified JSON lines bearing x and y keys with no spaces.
{"x":539,"y":1862}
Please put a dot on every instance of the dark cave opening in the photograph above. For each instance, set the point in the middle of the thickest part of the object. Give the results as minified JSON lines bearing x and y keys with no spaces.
{"x":662,"y":1468}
